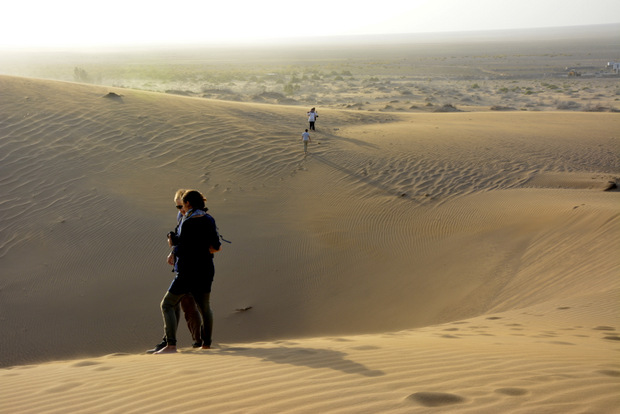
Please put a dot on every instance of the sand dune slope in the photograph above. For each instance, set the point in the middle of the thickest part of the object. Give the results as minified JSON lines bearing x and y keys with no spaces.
{"x":392,"y":223}
{"x":552,"y":358}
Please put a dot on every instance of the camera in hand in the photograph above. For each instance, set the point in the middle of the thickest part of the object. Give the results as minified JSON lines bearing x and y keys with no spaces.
{"x":174,"y":239}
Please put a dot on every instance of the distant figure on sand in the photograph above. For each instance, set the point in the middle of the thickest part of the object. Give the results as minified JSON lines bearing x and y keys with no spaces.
{"x":312,"y":116}
{"x":193,"y":251}
{"x":188,"y":305}
{"x":305,"y":138}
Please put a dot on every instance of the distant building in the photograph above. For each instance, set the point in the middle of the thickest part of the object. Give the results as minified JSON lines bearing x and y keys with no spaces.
{"x":615,"y":66}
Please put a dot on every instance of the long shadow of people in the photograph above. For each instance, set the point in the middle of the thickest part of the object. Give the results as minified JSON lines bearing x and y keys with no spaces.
{"x":308,"y":357}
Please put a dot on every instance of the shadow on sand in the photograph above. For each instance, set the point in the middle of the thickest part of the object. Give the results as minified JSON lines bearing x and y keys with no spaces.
{"x":308,"y":357}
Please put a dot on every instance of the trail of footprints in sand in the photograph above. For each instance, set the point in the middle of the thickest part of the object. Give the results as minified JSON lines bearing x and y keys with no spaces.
{"x":609,"y":333}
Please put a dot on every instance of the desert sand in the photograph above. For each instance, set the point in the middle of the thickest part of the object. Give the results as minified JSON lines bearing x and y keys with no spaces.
{"x":411,"y":262}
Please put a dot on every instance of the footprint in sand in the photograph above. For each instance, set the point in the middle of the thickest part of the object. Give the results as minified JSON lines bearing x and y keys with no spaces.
{"x":365,"y":348}
{"x":63,"y":387}
{"x":436,"y":399}
{"x":85,"y":364}
{"x":612,"y":338}
{"x":604,"y":328}
{"x":609,"y":372}
{"x":513,"y":392}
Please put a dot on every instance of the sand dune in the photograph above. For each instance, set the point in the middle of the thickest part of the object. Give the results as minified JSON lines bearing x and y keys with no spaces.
{"x":410,"y":260}
{"x":548,"y":358}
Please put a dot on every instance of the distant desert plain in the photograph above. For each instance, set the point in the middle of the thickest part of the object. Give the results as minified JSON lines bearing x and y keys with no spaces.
{"x":449,"y":243}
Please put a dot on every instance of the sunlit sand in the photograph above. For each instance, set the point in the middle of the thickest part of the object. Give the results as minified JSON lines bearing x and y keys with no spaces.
{"x":413,"y":261}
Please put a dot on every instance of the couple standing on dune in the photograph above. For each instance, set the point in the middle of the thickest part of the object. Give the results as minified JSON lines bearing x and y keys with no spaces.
{"x":193,"y":243}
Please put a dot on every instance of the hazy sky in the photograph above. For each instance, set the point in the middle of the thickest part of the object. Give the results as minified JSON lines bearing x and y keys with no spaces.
{"x":89,"y":23}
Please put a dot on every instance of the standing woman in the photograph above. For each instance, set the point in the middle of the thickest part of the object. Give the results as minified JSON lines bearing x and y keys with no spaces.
{"x":197,"y":241}
{"x":312,"y":116}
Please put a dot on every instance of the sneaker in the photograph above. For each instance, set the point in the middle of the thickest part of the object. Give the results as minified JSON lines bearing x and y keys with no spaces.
{"x":168,"y":349}
{"x":157,"y":348}
{"x":197,"y":344}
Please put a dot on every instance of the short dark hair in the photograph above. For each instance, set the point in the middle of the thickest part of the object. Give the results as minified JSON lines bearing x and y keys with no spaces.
{"x":194,"y":198}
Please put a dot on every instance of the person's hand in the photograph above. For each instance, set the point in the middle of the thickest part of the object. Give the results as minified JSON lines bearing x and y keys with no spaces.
{"x":169,"y":241}
{"x":214,"y":250}
{"x":171,"y":259}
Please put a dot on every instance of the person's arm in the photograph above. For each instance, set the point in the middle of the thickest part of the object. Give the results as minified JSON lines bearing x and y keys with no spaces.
{"x":214,"y":238}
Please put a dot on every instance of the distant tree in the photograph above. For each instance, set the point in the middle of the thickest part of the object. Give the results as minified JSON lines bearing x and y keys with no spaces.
{"x":290,"y":88}
{"x":80,"y":75}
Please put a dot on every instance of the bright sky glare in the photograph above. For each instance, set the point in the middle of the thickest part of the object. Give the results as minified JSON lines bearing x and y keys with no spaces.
{"x":45,"y":23}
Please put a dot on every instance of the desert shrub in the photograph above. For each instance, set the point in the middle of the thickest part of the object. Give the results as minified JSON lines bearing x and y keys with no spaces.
{"x":179,"y":92}
{"x":596,"y":108}
{"x":290,"y":88}
{"x":357,"y":105}
{"x":447,"y":108}
{"x":80,"y":75}
{"x":475,"y":86}
{"x":566,"y":105}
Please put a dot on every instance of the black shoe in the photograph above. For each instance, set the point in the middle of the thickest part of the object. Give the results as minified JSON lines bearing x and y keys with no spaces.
{"x":197,"y":344}
{"x":158,"y":347}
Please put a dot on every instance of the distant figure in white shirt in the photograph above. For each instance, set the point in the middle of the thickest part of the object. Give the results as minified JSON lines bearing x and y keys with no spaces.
{"x":312,"y":116}
{"x":305,"y":137}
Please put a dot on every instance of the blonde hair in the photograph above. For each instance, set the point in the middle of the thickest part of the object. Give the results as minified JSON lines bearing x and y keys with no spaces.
{"x":178,"y":196}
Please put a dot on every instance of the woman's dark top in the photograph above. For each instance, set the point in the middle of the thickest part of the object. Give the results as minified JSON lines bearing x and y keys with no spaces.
{"x":195,"y":271}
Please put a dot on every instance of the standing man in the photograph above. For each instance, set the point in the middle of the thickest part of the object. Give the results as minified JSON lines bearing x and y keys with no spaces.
{"x":312,"y":116}
{"x":305,"y":137}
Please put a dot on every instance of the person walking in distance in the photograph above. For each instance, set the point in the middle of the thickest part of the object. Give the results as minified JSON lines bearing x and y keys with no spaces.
{"x":312,"y":116}
{"x":305,"y":138}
